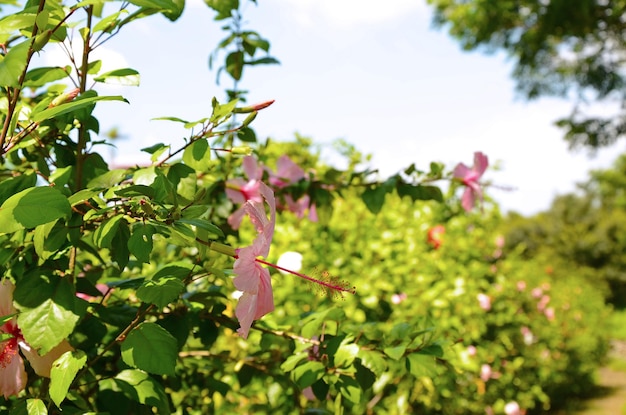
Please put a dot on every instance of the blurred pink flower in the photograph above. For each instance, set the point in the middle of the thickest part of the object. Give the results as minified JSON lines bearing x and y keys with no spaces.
{"x":13,"y":376}
{"x":398,"y":298}
{"x":240,"y":191}
{"x":543,"y":302}
{"x":469,"y":177}
{"x":536,"y":292}
{"x":485,"y":301}
{"x":485,"y":372}
{"x":287,"y":172}
{"x":512,"y":408}
{"x":300,"y":207}
{"x":521,"y":286}
{"x":471,"y":350}
{"x":549,"y":313}
{"x":103,"y":288}
{"x":528,"y":335}
{"x":251,"y":277}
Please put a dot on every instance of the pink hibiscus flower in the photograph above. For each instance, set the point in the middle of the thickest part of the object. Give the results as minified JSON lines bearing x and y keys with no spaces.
{"x":13,"y":376}
{"x":287,"y":172}
{"x":252,"y":278}
{"x":240,"y":191}
{"x":469,"y":177}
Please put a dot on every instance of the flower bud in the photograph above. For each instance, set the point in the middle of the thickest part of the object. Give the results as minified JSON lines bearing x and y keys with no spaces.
{"x":64,"y":98}
{"x":255,"y":107}
{"x":241,"y":150}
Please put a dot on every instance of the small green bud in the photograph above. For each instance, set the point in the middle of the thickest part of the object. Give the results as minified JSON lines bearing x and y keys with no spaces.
{"x":241,"y":150}
{"x":41,"y":40}
{"x":66,"y":97}
{"x":249,"y":119}
{"x":255,"y":107}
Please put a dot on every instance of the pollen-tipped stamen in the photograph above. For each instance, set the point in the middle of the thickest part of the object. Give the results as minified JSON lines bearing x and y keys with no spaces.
{"x":334,"y":286}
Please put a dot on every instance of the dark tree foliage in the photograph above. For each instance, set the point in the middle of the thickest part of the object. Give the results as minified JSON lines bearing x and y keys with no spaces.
{"x":582,"y":233}
{"x":573,"y":49}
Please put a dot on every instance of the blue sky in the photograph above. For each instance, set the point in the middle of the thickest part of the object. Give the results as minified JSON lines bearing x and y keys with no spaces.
{"x":376,"y":75}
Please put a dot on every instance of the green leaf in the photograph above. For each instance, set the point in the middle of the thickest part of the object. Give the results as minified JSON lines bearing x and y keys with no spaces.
{"x":41,"y":76}
{"x":29,"y":407}
{"x":151,"y":348}
{"x":126,"y":77}
{"x":81,"y":196}
{"x":141,"y":388}
{"x":420,"y":192}
{"x":140,"y":242}
{"x":421,"y":365}
{"x":16,"y":184}
{"x":160,"y":291}
{"x":308,"y":373}
{"x":222,"y":111}
{"x":48,"y":238}
{"x":234,"y":64}
{"x":156,"y":151}
{"x":395,"y":352}
{"x":31,"y":208}
{"x":198,"y":155}
{"x":203,"y":224}
{"x":13,"y":64}
{"x":374,"y":198}
{"x":136,"y":190}
{"x":63,"y":372}
{"x":72,"y":106}
{"x":350,"y":389}
{"x":47,"y":305}
{"x":108,"y":179}
{"x":103,"y":236}
{"x":263,"y":61}
{"x":346,"y":354}
{"x":373,"y":360}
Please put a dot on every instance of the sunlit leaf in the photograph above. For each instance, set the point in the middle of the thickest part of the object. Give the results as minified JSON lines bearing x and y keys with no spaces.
{"x":63,"y":372}
{"x":151,"y":348}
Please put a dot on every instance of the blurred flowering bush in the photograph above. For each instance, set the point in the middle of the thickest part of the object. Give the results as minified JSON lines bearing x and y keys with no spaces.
{"x":151,"y":288}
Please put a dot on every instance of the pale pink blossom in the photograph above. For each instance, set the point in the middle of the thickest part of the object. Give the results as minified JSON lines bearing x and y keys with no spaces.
{"x":549,"y":313}
{"x":13,"y":376}
{"x":512,"y":408}
{"x":536,"y":292}
{"x":469,"y":177}
{"x":485,"y":372}
{"x":543,"y":302}
{"x":521,"y":286}
{"x":301,"y":206}
{"x":527,"y":335}
{"x":398,"y":298}
{"x":287,"y":172}
{"x":240,"y":191}
{"x":484,"y":301}
{"x":251,"y":277}
{"x":471,"y":350}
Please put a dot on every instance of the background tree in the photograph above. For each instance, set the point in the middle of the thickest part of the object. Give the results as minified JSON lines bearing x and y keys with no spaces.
{"x":585,"y":229}
{"x":559,"y":48}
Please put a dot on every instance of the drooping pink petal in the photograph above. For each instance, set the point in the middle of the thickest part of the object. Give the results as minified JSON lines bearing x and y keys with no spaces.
{"x":252,"y":169}
{"x":468,"y":199}
{"x":481,"y":162}
{"x":251,"y":277}
{"x":254,"y":306}
{"x":12,"y":373}
{"x":287,"y":172}
{"x":248,"y":271}
{"x":470,"y":178}
{"x":42,"y":364}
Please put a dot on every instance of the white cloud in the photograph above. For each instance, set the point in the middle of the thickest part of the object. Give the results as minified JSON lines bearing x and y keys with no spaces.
{"x":350,"y":13}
